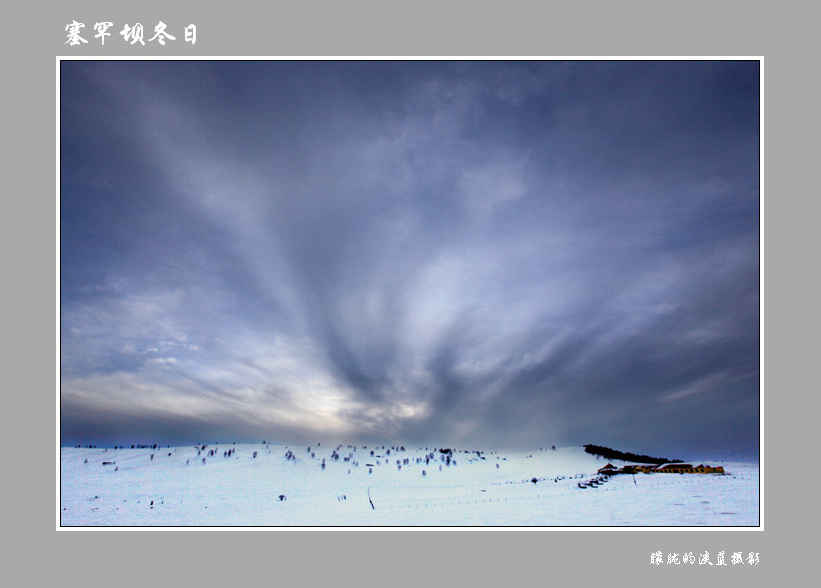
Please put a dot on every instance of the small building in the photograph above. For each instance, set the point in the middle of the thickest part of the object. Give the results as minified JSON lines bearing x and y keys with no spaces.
{"x":609,"y":469}
{"x":705,"y":469}
{"x":668,"y":468}
{"x":686,"y":468}
{"x":639,"y":469}
{"x":675,"y":468}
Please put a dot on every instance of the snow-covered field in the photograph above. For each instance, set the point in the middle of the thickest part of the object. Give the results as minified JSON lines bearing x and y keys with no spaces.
{"x":192,"y":486}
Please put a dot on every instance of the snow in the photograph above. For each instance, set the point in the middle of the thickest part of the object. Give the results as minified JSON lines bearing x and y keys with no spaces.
{"x":175,"y":488}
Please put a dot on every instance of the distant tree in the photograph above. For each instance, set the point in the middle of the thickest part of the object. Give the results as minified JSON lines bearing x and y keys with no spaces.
{"x":608,"y":453}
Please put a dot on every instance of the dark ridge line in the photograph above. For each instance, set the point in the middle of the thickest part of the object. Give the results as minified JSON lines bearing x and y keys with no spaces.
{"x":608,"y":453}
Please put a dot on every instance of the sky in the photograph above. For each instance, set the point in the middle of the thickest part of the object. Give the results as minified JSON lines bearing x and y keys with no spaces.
{"x":509,"y":254}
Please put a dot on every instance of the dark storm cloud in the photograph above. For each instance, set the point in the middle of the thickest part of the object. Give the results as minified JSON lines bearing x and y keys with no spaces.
{"x":511,"y":252}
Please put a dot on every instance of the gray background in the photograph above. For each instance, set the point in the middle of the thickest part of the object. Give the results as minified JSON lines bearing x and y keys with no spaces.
{"x":34,"y":36}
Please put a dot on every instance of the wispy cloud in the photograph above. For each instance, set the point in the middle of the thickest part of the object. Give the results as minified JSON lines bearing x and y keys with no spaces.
{"x":461,"y":251}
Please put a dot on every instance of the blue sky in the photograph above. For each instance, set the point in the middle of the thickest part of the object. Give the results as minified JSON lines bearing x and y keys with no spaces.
{"x":479,"y":254}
